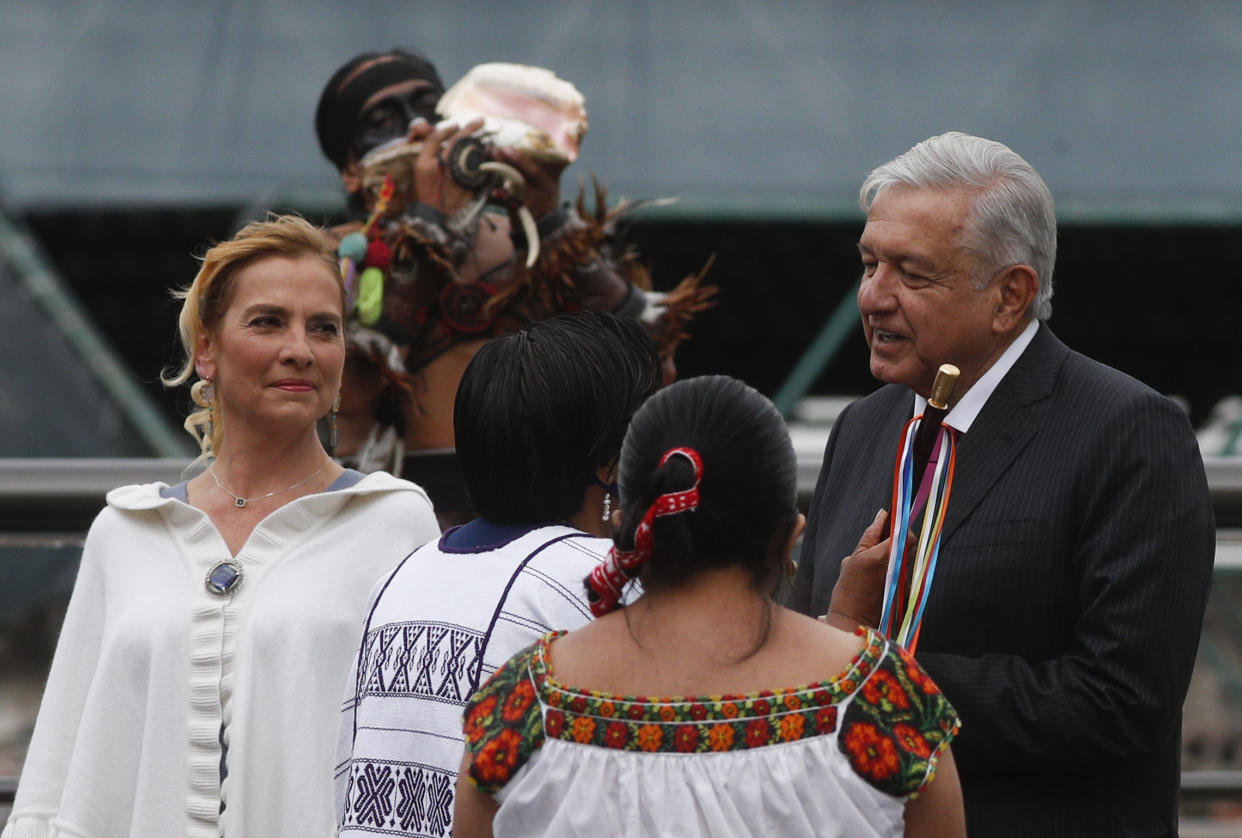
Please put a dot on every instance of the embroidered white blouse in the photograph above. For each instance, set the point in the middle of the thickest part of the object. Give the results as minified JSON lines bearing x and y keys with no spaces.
{"x":839,"y":757}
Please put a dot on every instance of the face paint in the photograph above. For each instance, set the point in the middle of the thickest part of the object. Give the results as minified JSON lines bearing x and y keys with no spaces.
{"x":339,"y":119}
{"x":388,"y":114}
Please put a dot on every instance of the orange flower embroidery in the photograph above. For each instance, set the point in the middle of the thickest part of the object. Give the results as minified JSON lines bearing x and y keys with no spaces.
{"x":478,"y":717}
{"x":911,"y":740}
{"x":871,"y":752}
{"x":791,"y":727}
{"x":720,"y":737}
{"x":518,"y":701}
{"x":497,"y":757}
{"x":883,"y":687}
{"x":649,"y":737}
{"x":582,"y":729}
{"x":916,"y":674}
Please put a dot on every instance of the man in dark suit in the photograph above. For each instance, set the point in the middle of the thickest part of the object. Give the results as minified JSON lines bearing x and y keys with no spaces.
{"x":1077,"y":552}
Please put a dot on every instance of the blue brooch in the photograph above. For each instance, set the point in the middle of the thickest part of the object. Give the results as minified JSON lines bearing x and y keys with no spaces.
{"x":224,"y":579}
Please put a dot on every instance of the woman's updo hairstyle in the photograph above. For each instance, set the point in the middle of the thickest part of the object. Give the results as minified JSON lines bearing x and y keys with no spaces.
{"x":205,"y":300}
{"x":747,"y":492}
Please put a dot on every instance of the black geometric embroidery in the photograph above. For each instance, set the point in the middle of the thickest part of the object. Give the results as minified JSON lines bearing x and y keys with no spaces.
{"x":453,"y":670}
{"x":401,"y":799}
{"x":410,"y":806}
{"x":431,"y":660}
{"x":426,"y":660}
{"x":374,"y":792}
{"x":399,"y":679}
{"x":440,"y":803}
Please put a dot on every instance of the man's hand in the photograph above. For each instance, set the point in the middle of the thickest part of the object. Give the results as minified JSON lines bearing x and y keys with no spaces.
{"x":858,"y":596}
{"x":543,"y":180}
{"x":433,"y":185}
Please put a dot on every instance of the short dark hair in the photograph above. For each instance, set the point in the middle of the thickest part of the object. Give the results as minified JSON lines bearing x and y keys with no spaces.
{"x":748,"y":490}
{"x":336,"y":115}
{"x":540,"y":410}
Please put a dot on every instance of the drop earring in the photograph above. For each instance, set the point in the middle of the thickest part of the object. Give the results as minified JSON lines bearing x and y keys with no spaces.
{"x":336,"y":405}
{"x":203,"y":394}
{"x":609,"y":490}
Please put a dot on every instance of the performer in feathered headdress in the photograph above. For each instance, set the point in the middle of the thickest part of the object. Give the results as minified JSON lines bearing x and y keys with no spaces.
{"x":462,"y":237}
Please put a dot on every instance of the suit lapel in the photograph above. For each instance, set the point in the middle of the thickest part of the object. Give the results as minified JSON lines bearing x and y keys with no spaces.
{"x":1008,"y":422}
{"x":892,"y":418}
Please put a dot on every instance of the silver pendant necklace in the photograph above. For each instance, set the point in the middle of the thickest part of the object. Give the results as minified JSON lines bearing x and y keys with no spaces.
{"x":241,"y":502}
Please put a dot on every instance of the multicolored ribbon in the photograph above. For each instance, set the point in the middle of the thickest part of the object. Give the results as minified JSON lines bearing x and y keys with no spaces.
{"x":608,"y":578}
{"x":910,"y":570}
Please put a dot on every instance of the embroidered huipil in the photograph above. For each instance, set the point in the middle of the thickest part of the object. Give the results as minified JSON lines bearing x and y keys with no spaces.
{"x":152,"y":671}
{"x":445,"y":621}
{"x":835,"y":758}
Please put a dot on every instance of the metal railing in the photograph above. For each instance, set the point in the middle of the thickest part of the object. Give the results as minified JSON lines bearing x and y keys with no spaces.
{"x":51,"y":502}
{"x":65,"y":494}
{"x":40,"y":495}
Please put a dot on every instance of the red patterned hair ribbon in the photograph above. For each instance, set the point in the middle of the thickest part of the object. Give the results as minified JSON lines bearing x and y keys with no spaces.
{"x":607,"y":579}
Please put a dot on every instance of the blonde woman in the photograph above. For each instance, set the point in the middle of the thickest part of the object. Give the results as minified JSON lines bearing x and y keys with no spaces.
{"x":196,"y":684}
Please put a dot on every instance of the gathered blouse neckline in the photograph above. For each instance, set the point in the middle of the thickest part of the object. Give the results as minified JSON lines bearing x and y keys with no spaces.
{"x":823,"y":692}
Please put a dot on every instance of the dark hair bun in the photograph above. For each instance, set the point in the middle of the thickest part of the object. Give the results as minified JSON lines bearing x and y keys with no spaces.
{"x":748,"y":489}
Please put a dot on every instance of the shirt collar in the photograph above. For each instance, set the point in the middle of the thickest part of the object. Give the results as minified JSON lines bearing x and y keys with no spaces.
{"x":965,"y":411}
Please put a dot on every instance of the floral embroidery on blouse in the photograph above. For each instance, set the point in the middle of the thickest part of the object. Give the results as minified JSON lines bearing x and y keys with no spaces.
{"x":898,"y":724}
{"x":509,"y":717}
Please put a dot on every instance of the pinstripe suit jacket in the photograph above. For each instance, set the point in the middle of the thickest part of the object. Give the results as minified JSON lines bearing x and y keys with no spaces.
{"x":1066,"y":609}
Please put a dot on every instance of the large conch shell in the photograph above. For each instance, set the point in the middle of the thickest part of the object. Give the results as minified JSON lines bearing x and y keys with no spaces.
{"x":523,"y":107}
